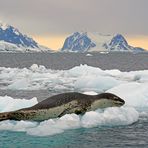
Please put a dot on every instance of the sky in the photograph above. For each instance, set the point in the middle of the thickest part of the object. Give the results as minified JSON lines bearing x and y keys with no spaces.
{"x":50,"y":21}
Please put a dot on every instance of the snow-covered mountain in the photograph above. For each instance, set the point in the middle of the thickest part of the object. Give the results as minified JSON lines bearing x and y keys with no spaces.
{"x":14,"y":41}
{"x":89,"y":42}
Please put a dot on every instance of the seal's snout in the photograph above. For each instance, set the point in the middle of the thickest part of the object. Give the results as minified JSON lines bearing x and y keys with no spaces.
{"x":123,"y":102}
{"x":118,"y":101}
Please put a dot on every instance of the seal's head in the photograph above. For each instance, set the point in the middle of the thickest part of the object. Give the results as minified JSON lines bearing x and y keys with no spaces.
{"x":104,"y":100}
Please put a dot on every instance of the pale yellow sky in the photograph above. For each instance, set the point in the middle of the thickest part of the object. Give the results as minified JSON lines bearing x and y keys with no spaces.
{"x":53,"y":42}
{"x":138,"y":41}
{"x":56,"y":42}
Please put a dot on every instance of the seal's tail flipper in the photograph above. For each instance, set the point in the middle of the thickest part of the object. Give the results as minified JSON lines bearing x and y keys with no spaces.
{"x":5,"y":116}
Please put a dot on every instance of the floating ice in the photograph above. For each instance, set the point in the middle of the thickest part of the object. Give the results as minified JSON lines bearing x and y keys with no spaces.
{"x":81,"y":78}
{"x":20,"y":126}
{"x":130,"y":86}
{"x":96,"y":83}
{"x":84,"y":70}
{"x":55,"y":126}
{"x":89,"y":55}
{"x":9,"y":104}
{"x":108,"y":117}
{"x":90,"y":93}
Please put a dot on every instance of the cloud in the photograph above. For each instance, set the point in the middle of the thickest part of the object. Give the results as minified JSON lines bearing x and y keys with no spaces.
{"x":44,"y":17}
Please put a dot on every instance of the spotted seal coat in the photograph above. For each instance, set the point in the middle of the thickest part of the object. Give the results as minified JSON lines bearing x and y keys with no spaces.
{"x":61,"y":104}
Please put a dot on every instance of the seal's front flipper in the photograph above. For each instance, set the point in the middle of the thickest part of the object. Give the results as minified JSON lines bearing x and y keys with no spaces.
{"x":66,"y":111}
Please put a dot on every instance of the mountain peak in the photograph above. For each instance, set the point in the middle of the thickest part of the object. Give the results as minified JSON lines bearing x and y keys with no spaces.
{"x":3,"y":26}
{"x":11,"y":37}
{"x":88,"y":42}
{"x":118,"y":42}
{"x":78,"y":41}
{"x":119,"y":38}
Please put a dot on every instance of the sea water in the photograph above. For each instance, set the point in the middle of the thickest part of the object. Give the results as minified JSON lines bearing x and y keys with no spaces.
{"x":134,"y":135}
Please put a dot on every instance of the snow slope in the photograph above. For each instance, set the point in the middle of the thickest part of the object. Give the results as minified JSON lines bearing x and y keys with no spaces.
{"x":12,"y":40}
{"x":89,"y":42}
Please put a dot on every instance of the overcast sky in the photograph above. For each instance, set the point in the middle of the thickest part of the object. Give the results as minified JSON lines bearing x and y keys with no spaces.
{"x":59,"y":17}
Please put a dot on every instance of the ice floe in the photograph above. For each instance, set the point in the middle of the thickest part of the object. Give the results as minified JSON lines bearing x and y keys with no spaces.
{"x":130,"y":86}
{"x":81,"y":78}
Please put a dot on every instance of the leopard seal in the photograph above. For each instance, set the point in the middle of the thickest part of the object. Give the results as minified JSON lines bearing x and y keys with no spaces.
{"x":61,"y":104}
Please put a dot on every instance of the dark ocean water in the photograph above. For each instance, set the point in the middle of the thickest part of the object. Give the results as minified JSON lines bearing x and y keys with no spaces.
{"x":134,"y":135}
{"x":121,"y":61}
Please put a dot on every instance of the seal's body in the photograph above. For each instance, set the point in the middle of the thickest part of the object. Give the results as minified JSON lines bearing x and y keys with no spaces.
{"x":66,"y":103}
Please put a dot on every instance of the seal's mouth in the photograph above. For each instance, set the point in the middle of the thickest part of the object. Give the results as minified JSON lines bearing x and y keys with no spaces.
{"x":119,"y":102}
